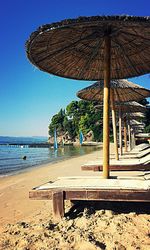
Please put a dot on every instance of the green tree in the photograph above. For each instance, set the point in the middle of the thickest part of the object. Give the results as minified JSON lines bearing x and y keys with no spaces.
{"x":147,"y":116}
{"x":72,"y":109}
{"x":57,"y":122}
{"x":69,"y":127}
{"x":147,"y":129}
{"x":80,"y":115}
{"x":84,"y":124}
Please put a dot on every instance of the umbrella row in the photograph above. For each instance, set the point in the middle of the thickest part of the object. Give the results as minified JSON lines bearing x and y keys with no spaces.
{"x":125,"y":114}
{"x":120,"y":90}
{"x":96,"y":48}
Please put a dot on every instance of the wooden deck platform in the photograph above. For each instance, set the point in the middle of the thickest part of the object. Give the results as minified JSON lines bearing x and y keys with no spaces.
{"x":129,"y":188}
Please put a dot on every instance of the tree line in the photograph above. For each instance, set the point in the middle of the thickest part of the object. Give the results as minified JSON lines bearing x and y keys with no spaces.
{"x":84,"y":116}
{"x":78,"y":116}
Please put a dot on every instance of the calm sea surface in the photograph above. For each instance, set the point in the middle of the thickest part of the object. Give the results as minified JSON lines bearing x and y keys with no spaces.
{"x":11,"y":158}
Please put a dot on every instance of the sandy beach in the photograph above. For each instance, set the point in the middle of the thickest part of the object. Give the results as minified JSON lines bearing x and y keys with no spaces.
{"x":28,"y":224}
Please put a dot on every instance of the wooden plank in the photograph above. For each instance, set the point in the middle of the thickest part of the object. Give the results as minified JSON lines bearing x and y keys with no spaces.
{"x":137,"y":167}
{"x":119,"y":195}
{"x":109,"y":195}
{"x":75,"y":195}
{"x":90,"y":194}
{"x":40,"y":195}
{"x":58,"y":205}
{"x":88,"y":167}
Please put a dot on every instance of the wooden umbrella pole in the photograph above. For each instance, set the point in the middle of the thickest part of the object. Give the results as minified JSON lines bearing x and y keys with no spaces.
{"x":107,"y":56}
{"x":133,"y":139}
{"x":129,"y":134}
{"x":125,"y":135}
{"x":114,"y":123}
{"x":120,"y":131}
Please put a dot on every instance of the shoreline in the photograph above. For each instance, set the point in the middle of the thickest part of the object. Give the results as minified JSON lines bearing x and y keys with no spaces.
{"x":14,"y":189}
{"x":50,"y":161}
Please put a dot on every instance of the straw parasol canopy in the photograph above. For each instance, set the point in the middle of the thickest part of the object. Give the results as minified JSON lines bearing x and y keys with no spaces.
{"x":123,"y":91}
{"x":74,"y":48}
{"x":126,"y":111}
{"x":130,"y":107}
{"x":136,"y":123}
{"x":93,"y":48}
{"x":135,"y":115}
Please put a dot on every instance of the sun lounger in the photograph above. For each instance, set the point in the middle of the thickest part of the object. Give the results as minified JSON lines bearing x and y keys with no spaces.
{"x":140,"y":147}
{"x":122,"y":165}
{"x":93,"y":188}
{"x":138,"y":155}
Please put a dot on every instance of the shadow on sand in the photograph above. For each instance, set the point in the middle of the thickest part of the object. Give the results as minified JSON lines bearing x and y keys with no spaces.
{"x":78,"y":208}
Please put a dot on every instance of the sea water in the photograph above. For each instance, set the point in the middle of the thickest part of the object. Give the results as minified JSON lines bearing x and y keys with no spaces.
{"x":11,"y":157}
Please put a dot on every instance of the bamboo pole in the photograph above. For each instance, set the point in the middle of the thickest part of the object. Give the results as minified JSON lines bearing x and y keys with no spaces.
{"x":107,"y":56}
{"x":134,"y":139}
{"x":129,"y":135}
{"x":125,"y":134}
{"x":114,"y":123}
{"x":120,"y":131}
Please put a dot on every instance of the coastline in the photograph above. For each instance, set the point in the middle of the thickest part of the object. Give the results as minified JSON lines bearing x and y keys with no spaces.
{"x":14,"y":189}
{"x":36,"y":157}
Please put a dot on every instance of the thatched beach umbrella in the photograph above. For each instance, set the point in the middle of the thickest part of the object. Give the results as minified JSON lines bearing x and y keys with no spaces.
{"x":127,"y":108}
{"x":135,"y":115}
{"x":125,"y":111}
{"x":125,"y":93}
{"x":93,"y":48}
{"x":131,"y":116}
{"x":132,"y":123}
{"x":130,"y":107}
{"x":135,"y":130}
{"x":137,"y":123}
{"x":89,"y":94}
{"x":100,"y":106}
{"x":121,"y":92}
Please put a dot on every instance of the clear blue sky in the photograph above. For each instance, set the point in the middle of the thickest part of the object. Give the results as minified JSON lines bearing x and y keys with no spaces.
{"x":28,"y":96}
